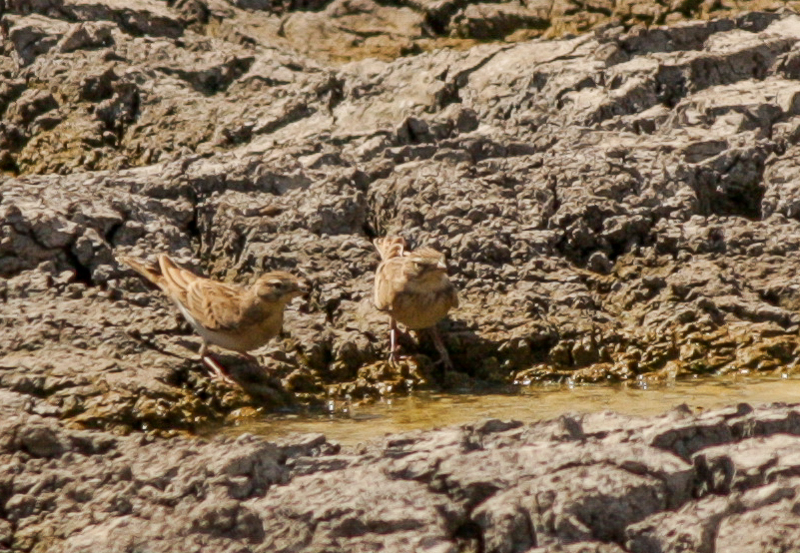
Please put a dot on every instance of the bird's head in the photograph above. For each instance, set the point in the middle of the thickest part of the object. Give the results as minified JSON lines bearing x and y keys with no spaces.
{"x":426,"y":264}
{"x":280,"y":286}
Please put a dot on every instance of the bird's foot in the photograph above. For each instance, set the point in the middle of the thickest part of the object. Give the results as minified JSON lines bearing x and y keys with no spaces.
{"x":446,"y":363}
{"x":218,"y":372}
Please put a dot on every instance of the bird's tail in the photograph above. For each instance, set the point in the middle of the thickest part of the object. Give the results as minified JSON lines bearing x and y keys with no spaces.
{"x":177,"y":277}
{"x":149,"y":271}
{"x":390,"y":246}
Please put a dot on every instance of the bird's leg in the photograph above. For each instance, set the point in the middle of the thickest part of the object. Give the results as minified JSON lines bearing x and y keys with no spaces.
{"x":218,"y":371}
{"x":393,"y":341}
{"x":445,"y":357}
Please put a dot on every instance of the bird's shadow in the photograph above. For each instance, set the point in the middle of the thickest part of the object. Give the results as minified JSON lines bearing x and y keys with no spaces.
{"x":475,"y":358}
{"x":249,"y":377}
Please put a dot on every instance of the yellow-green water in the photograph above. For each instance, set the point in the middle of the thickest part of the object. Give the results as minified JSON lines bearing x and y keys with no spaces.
{"x":350,"y":425}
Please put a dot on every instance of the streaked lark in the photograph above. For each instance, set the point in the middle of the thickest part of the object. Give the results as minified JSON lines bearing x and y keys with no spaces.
{"x":225,"y":315}
{"x":413,"y":288}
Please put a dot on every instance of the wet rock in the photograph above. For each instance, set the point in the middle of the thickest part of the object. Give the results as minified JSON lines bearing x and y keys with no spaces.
{"x":495,"y":21}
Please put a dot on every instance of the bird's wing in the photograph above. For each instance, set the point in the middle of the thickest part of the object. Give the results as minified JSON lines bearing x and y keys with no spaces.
{"x":390,"y":281}
{"x":448,"y":291}
{"x":214,"y":305}
{"x":452,"y":295}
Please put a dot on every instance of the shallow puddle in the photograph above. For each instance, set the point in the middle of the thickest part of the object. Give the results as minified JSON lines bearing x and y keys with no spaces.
{"x":350,"y":425}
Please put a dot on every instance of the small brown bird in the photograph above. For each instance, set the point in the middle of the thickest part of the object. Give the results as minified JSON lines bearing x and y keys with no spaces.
{"x":413,"y":288}
{"x":225,"y":315}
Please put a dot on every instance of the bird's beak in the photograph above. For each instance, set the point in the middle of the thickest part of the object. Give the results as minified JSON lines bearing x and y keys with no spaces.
{"x":442,"y":265}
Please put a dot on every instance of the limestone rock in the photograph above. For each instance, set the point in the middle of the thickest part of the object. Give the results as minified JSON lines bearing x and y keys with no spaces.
{"x":593,"y":483}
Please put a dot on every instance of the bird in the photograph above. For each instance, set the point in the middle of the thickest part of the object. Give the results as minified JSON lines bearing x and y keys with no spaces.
{"x":225,"y":315}
{"x":413,"y":288}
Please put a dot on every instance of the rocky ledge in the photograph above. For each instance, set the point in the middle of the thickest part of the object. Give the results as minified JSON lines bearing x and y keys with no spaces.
{"x":724,"y":481}
{"x":614,"y":205}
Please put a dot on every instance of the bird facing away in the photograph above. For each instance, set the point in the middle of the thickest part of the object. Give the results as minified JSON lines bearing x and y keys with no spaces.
{"x":224,"y":315}
{"x":413,"y":288}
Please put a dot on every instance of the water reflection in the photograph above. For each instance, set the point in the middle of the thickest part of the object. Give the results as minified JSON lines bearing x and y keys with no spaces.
{"x":351,"y":424}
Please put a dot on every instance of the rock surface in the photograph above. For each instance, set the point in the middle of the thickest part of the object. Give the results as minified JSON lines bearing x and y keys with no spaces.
{"x":600,"y":483}
{"x":617,"y":204}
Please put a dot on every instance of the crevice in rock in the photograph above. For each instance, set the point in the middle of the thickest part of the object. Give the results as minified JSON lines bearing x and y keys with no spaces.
{"x":469,"y":537}
{"x":193,"y":226}
{"x":214,"y":80}
{"x":671,"y":85}
{"x":111,"y":236}
{"x":82,"y":273}
{"x":298,"y":110}
{"x":732,"y":184}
